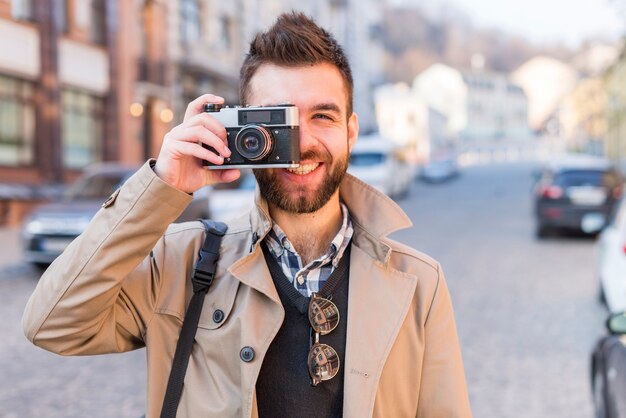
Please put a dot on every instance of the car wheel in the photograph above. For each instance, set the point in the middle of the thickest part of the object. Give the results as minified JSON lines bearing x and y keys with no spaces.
{"x":541,"y":231}
{"x":598,"y":386}
{"x":602,"y":295}
{"x":39,"y":268}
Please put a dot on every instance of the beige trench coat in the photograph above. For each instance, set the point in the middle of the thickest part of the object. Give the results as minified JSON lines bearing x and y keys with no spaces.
{"x":125,"y":283}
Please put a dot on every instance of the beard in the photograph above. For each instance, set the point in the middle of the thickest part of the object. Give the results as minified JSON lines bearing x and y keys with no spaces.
{"x":301,"y":201}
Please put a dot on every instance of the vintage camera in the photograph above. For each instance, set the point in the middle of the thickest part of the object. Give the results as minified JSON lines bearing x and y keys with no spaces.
{"x":258,"y":137}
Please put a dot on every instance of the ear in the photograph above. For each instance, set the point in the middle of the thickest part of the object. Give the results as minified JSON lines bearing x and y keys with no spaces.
{"x":353,"y":130}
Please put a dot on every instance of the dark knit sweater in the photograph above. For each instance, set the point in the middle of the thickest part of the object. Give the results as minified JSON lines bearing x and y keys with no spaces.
{"x":284,"y":385}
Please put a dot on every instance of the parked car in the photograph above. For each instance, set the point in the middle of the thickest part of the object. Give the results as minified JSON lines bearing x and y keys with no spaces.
{"x":374,"y":160}
{"x":575,"y":192}
{"x":608,"y":370}
{"x":228,"y":200}
{"x":51,"y":227}
{"x":611,"y":261}
{"x":439,"y":170}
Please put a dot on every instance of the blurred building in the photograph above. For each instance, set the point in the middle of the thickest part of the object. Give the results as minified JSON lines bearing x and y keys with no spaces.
{"x":84,"y":81}
{"x":546,"y":81}
{"x":58,"y":94}
{"x":403,"y":119}
{"x":496,"y":107}
{"x":419,"y":131}
{"x":582,"y":116}
{"x":583,"y":113}
{"x":479,"y":105}
{"x":596,"y":58}
{"x":56,"y":105}
{"x":615,"y":80}
{"x":442,"y":88}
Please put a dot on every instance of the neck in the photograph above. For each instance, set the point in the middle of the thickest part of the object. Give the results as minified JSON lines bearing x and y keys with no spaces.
{"x":310,"y":233}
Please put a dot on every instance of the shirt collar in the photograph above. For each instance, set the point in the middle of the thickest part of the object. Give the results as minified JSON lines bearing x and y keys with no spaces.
{"x":278,"y":242}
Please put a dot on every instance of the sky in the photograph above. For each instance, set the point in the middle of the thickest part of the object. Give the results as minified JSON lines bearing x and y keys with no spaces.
{"x":544,"y":21}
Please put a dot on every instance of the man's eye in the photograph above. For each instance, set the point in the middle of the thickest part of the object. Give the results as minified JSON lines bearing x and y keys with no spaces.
{"x":322,"y":116}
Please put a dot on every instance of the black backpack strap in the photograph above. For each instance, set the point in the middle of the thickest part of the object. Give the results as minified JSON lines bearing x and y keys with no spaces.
{"x":203,"y":275}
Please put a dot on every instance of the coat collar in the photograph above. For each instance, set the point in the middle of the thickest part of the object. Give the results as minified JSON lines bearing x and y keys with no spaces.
{"x":373,"y":214}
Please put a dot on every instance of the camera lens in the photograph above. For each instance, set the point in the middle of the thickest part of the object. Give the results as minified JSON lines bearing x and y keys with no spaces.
{"x":251,"y":143}
{"x":254,"y":143}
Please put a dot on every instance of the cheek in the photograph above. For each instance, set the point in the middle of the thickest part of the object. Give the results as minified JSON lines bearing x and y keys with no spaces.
{"x":320,"y":130}
{"x":330,"y":136}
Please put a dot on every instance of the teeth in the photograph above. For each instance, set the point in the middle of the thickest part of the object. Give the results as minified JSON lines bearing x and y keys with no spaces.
{"x":303,"y":169}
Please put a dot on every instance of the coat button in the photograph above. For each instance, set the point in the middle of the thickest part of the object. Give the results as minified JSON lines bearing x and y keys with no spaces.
{"x":218,"y":316}
{"x":247,"y":354}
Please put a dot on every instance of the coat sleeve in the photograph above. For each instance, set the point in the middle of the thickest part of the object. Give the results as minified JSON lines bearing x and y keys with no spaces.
{"x":443,"y":392}
{"x":98,"y":296}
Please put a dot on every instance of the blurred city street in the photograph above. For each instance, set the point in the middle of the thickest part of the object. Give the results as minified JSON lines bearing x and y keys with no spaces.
{"x":527,"y":311}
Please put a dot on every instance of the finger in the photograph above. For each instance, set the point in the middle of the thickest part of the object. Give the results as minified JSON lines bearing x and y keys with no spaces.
{"x":197,"y":106}
{"x":209,"y":122}
{"x":199,"y":152}
{"x":223,"y":176}
{"x":199,"y":134}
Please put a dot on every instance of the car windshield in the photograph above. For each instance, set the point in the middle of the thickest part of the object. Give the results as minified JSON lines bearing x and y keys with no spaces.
{"x":99,"y":186}
{"x":577,"y":178}
{"x":366,"y":159}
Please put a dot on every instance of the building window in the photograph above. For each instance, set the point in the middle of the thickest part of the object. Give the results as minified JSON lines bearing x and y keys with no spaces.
{"x":17,"y":122}
{"x":82,"y":129}
{"x":225,"y":36}
{"x":60,"y":16}
{"x":97,"y":28}
{"x":22,"y":10}
{"x":190,"y":20}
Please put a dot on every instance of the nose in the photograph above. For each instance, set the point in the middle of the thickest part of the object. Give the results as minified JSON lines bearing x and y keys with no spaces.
{"x":307,"y":140}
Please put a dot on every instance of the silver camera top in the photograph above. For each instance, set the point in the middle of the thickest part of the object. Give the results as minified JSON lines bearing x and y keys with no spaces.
{"x":237,"y":116}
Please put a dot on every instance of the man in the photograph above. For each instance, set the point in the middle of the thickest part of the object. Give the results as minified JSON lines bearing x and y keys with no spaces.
{"x":315,"y":242}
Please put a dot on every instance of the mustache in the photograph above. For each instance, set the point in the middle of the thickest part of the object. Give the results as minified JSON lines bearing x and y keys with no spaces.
{"x":317,"y":155}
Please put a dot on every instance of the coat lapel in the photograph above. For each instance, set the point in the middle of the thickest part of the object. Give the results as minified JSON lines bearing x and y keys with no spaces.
{"x":252,"y":271}
{"x":379,"y":301}
{"x":264,"y":318}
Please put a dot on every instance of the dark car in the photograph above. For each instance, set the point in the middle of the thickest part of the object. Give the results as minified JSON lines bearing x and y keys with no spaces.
{"x":608,"y":370}
{"x":576,"y":193}
{"x":52,"y":226}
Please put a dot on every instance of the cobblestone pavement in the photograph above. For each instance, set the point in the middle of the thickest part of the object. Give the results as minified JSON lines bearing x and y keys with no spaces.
{"x":36,"y":383}
{"x":526,"y":312}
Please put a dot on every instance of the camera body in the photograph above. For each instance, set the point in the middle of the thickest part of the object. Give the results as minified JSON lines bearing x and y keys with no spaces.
{"x":258,"y":136}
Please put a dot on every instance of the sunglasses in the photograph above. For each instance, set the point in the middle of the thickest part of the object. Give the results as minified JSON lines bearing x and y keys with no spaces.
{"x":323,"y":360}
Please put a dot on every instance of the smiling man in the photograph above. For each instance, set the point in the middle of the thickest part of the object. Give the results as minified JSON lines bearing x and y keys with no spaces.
{"x":314,"y":311}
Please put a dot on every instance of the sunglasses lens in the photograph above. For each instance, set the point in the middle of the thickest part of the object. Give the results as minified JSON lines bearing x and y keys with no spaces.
{"x":323,"y":362}
{"x":323,"y":315}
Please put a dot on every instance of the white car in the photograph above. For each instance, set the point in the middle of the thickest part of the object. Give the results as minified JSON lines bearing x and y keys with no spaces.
{"x":229,"y":200}
{"x":611,"y":261}
{"x":373,"y":160}
{"x":439,"y":170}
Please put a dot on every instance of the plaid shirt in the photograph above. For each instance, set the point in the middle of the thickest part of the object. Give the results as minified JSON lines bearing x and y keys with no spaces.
{"x":310,"y":278}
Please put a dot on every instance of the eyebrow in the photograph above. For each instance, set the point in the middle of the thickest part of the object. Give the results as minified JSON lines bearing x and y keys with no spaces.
{"x":327,"y":106}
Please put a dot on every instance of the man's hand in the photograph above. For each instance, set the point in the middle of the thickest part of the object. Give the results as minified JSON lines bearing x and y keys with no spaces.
{"x":180,"y":159}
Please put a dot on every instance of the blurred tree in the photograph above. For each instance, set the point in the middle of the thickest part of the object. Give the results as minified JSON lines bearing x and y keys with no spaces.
{"x":414,"y":40}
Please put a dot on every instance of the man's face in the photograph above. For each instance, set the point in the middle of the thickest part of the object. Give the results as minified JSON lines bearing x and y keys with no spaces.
{"x":326,"y":134}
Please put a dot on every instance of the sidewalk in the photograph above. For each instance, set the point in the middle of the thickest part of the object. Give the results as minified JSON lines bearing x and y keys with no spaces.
{"x":10,"y":247}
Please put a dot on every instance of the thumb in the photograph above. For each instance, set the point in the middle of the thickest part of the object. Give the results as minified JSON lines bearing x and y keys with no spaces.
{"x":223,"y":176}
